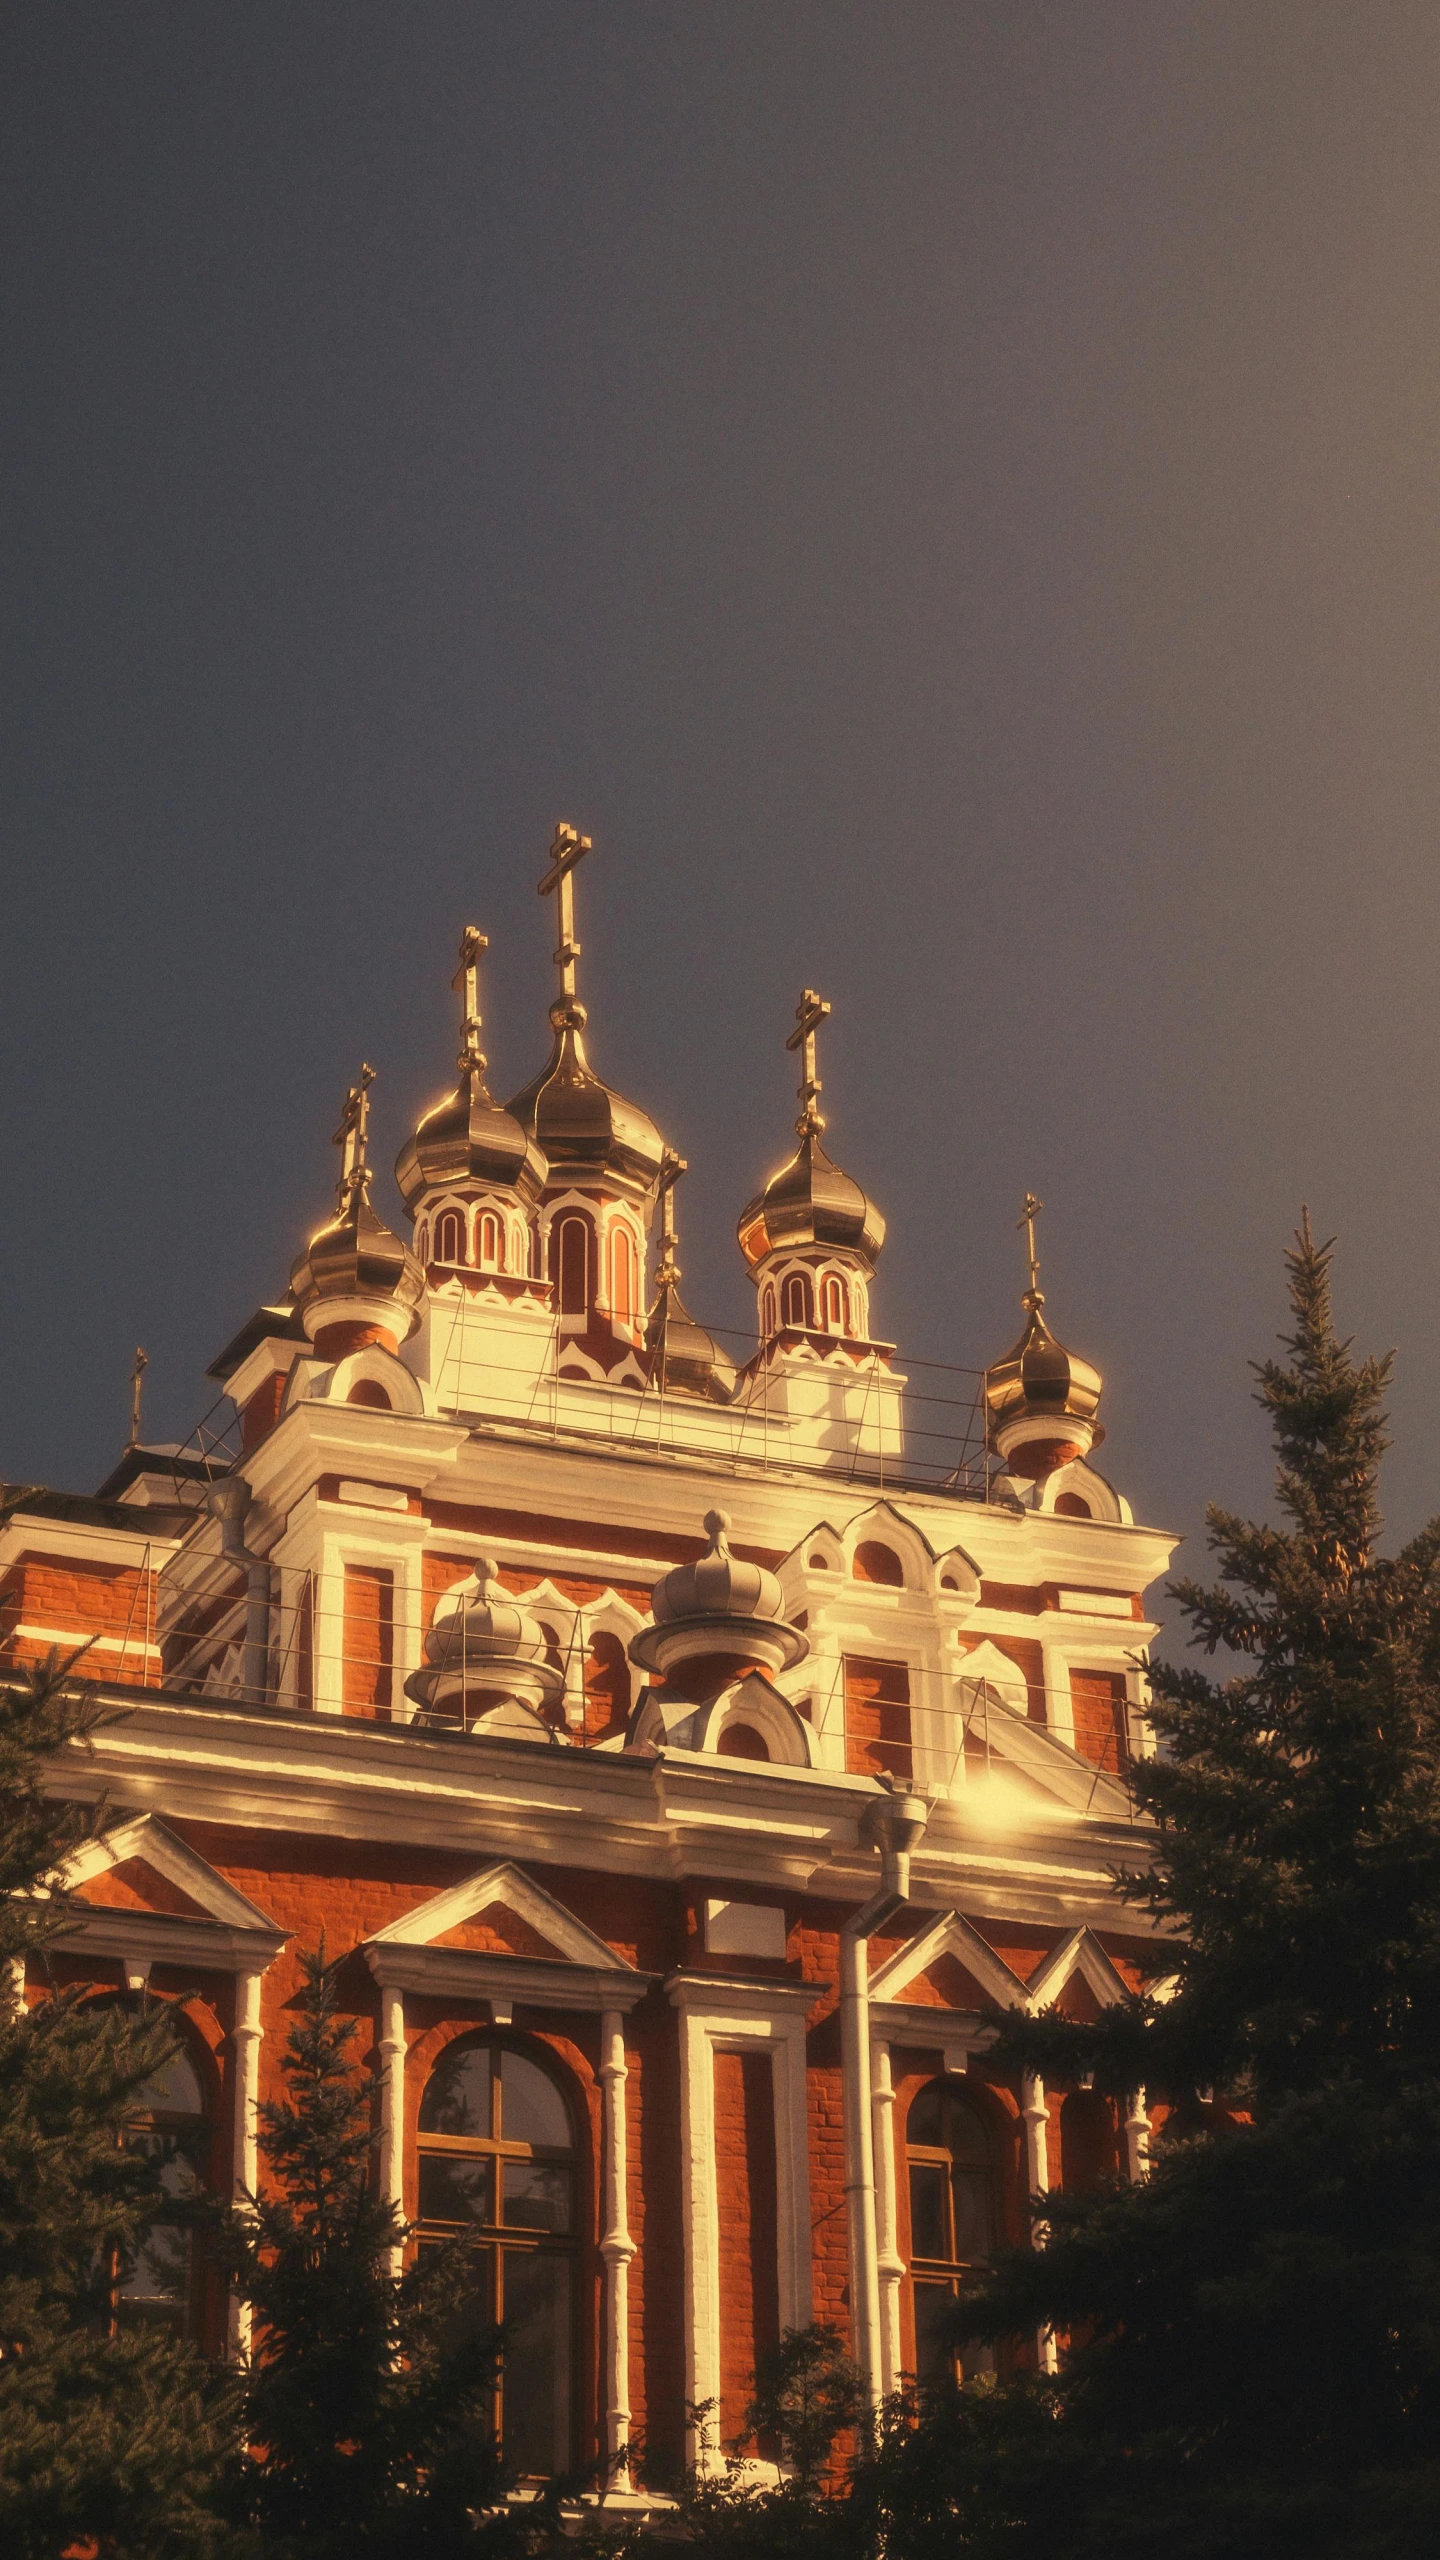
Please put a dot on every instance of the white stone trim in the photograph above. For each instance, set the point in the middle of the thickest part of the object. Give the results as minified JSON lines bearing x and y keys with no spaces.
{"x":246,"y":2039}
{"x":617,"y":2248}
{"x":719,"y":2016}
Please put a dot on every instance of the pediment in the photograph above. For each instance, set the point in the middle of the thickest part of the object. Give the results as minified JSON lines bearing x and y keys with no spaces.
{"x":1078,"y":1977}
{"x":949,"y":1965}
{"x":143,"y":1866}
{"x":503,"y":1906}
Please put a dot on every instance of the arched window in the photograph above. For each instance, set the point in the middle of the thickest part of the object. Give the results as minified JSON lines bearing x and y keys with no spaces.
{"x":492,"y":1242}
{"x":767,"y":1311}
{"x":449,"y":1236}
{"x":954,"y":2222}
{"x":1073,"y":1506}
{"x":837,"y":1313}
{"x":157,"y":2285}
{"x":497,"y":2162}
{"x":874,"y":1562}
{"x":422,"y":1241}
{"x":797,"y":1299}
{"x":369,"y":1391}
{"x":572,"y":1265}
{"x":622,"y":1275}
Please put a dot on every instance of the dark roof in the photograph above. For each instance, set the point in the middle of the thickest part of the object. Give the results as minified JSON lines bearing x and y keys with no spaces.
{"x":158,"y":1458}
{"x":92,"y":1511}
{"x":280,"y":1324}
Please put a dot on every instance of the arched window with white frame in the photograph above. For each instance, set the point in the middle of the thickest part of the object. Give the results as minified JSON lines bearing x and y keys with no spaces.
{"x":499,"y":2166}
{"x":837,"y":1312}
{"x":623,"y":1290}
{"x":492,"y":1241}
{"x":767,"y":1310}
{"x":450,"y":1236}
{"x":799,"y":1309}
{"x":570,"y":1251}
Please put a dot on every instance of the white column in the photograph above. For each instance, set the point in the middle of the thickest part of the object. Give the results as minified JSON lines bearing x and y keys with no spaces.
{"x":392,"y":2106}
{"x":616,"y":2247}
{"x":245,"y":2158}
{"x":1035,"y":2116}
{"x":1137,"y":2138}
{"x":890,"y":2266}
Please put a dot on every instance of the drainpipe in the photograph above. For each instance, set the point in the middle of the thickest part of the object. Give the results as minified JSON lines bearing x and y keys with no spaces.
{"x":894,"y":1824}
{"x":229,"y":1501}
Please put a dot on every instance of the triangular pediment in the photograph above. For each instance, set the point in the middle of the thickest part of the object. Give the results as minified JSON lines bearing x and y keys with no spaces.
{"x":946,"y":1957}
{"x":143,"y":1866}
{"x":513,"y":1916}
{"x":1078,"y":1960}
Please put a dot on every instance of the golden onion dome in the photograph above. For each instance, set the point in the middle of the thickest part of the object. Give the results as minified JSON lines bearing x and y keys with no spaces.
{"x":470,"y":1138}
{"x":354,"y":1257}
{"x":810,"y":1201}
{"x":585,"y":1131}
{"x":1041,"y":1400}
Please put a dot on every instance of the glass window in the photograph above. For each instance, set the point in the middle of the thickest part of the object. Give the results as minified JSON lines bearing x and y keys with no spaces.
{"x":797,"y":1299}
{"x":951,"y":2168}
{"x":156,"y":2282}
{"x":492,"y":1242}
{"x":497,"y":2159}
{"x":449,"y":1236}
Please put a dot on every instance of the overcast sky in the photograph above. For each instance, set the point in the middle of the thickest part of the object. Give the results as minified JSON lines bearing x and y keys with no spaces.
{"x":945,"y":495}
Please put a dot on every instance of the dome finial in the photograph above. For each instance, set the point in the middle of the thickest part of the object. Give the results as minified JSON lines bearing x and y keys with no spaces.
{"x":810,"y":1012}
{"x":466,"y":982}
{"x":353,"y":1139}
{"x":1030,"y":1211}
{"x":568,"y":848}
{"x":682,"y":1353}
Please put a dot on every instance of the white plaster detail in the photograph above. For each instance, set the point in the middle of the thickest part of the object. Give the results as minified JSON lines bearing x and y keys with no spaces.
{"x":744,"y":1929}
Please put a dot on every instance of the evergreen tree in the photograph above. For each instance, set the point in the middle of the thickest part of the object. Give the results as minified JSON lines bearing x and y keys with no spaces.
{"x":1254,"y":2356}
{"x":107,"y":2439}
{"x":369,"y":2399}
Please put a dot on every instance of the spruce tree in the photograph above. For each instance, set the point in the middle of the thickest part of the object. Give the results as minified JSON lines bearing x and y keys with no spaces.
{"x":1253,"y":2356}
{"x":368,"y":2405}
{"x":110,"y":2440}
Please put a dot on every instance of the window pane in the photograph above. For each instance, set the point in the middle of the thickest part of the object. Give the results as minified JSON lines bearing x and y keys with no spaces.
{"x":155,"y":2284}
{"x":929,"y":2224}
{"x":972,"y":2215}
{"x":967,"y":2131}
{"x":457,"y":2099}
{"x":924,"y":2125}
{"x":454,"y":2189}
{"x":537,"y":2198}
{"x":532,"y":2109}
{"x":536,"y":2373}
{"x":174,"y":2090}
{"x":934,"y":2354}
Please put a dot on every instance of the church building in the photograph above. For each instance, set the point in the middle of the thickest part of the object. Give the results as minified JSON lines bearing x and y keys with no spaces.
{"x":687,"y":1753}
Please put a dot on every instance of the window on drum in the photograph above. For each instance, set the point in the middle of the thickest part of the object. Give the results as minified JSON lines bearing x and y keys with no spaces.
{"x":498,"y":2165}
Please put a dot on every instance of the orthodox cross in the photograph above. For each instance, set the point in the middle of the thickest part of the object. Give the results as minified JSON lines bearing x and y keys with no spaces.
{"x":671,"y":1168}
{"x":810,"y":1012}
{"x":142,"y":1363}
{"x":568,"y":848}
{"x":1028,"y":1215}
{"x":466,"y":982}
{"x":351,"y":1138}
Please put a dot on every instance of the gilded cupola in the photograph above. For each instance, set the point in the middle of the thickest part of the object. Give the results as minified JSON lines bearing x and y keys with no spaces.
{"x":471,"y":1176}
{"x":588,"y":1133}
{"x":1041,"y":1401}
{"x":812,"y":1237}
{"x":356,"y":1283}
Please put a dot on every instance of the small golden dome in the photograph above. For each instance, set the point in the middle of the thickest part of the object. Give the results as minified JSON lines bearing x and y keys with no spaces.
{"x":585,"y":1130}
{"x":354,"y":1263}
{"x":810,"y":1201}
{"x":469,"y":1138}
{"x":1041,"y":1400}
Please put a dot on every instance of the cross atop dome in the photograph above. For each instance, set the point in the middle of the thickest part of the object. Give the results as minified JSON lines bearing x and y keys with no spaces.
{"x":353,"y":1139}
{"x":1029,"y":1212}
{"x":466,"y":983}
{"x":810,"y":1012}
{"x":568,"y":848}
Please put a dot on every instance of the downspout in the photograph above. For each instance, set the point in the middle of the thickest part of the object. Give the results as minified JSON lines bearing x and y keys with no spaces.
{"x":894,"y":1824}
{"x":229,"y":1501}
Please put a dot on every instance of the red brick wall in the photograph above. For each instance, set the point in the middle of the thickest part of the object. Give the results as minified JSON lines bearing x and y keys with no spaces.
{"x":368,"y":1664}
{"x":1099,"y":1702}
{"x":79,"y":1598}
{"x":745,"y":2183}
{"x":877,"y":1717}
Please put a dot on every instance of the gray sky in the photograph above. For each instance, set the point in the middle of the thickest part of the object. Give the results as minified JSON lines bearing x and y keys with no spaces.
{"x":945,"y":494}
